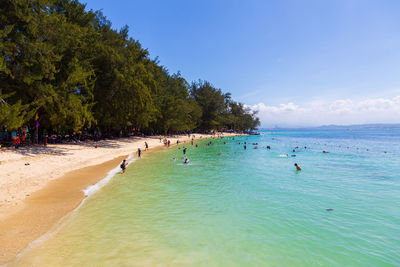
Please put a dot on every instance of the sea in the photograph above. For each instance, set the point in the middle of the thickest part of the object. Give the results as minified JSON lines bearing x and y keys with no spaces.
{"x":232,"y":206}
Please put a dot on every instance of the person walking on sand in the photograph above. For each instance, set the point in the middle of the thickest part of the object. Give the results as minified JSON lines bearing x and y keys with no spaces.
{"x":123,"y":165}
{"x":146,"y":145}
{"x":139,"y":152}
{"x":297,"y":167}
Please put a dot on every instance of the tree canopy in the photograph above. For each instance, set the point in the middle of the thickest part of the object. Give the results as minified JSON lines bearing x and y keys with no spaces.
{"x":69,"y":69}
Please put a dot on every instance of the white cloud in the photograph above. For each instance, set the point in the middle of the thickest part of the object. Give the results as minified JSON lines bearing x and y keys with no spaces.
{"x":341,"y":111}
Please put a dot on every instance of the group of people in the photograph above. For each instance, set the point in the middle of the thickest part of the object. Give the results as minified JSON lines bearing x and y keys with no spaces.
{"x":184,"y":150}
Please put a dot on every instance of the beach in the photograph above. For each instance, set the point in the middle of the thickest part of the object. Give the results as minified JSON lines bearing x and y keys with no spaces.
{"x":40,"y":185}
{"x":230,"y":205}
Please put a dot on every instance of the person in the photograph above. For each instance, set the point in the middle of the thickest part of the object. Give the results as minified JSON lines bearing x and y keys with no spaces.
{"x":297,"y":167}
{"x":184,"y":150}
{"x":244,"y":146}
{"x":123,"y":165}
{"x":146,"y":145}
{"x":186,"y":161}
{"x":139,"y":152}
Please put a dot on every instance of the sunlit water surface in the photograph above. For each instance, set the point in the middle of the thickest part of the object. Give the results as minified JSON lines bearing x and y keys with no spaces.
{"x":244,"y":207}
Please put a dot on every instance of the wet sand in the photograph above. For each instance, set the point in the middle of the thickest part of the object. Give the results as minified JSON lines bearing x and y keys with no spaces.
{"x":46,"y":207}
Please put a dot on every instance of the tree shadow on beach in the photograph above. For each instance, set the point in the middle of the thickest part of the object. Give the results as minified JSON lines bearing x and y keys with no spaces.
{"x":65,"y":148}
{"x":33,"y":150}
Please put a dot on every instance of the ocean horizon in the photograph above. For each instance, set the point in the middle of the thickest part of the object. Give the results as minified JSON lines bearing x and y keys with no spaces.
{"x":243,"y":207}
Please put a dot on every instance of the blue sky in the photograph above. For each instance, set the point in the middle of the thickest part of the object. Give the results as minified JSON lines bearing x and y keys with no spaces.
{"x":290,"y":59}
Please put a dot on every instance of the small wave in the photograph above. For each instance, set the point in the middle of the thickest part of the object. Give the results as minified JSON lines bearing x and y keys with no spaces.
{"x":91,"y":189}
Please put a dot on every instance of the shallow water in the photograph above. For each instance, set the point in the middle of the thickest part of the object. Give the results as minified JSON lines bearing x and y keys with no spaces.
{"x":244,"y":207}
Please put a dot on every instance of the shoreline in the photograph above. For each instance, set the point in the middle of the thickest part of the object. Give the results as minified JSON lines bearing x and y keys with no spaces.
{"x":25,"y":219}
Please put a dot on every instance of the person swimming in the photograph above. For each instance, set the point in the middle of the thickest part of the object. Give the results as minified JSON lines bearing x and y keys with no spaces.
{"x":297,"y":167}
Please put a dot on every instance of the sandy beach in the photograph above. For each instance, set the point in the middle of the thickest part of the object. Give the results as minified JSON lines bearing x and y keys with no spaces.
{"x":40,"y":185}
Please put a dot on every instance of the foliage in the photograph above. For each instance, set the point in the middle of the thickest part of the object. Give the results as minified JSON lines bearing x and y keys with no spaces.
{"x":72,"y":69}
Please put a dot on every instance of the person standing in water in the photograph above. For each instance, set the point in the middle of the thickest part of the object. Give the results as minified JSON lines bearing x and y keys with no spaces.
{"x":123,"y":165}
{"x":184,"y":150}
{"x":297,"y":167}
{"x":139,"y":152}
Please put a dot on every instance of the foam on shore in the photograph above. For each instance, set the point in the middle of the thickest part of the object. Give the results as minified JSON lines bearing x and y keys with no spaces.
{"x":91,"y":189}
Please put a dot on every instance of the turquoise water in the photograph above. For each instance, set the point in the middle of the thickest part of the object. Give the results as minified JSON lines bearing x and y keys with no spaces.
{"x":244,"y":207}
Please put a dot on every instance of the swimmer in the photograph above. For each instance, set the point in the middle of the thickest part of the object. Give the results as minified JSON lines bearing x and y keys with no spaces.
{"x":186,"y":161}
{"x":245,"y":147}
{"x":297,"y":167}
{"x":268,"y":147}
{"x":293,"y":156}
{"x":173,"y":159}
